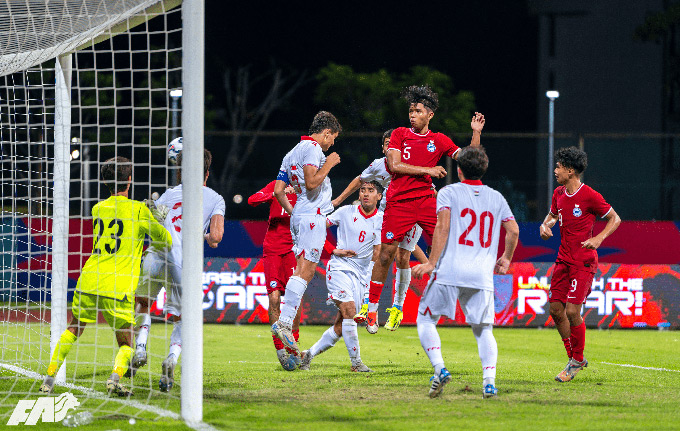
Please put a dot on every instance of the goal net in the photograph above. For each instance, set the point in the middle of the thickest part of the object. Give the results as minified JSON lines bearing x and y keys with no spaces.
{"x":81,"y":81}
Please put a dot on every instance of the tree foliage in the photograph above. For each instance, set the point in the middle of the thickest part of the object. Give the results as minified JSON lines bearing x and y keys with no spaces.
{"x":372,"y":101}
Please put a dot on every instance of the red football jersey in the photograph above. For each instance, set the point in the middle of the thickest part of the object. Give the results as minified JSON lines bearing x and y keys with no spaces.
{"x":577,"y":215}
{"x":417,"y":150}
{"x":277,"y":240}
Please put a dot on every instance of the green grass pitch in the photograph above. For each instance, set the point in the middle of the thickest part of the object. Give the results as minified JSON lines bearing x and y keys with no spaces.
{"x":246,"y":389}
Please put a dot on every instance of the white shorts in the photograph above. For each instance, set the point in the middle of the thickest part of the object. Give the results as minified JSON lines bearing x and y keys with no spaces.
{"x":309,"y":235}
{"x":158,"y":273}
{"x":440,"y":299}
{"x":345,"y":286}
{"x":411,"y":238}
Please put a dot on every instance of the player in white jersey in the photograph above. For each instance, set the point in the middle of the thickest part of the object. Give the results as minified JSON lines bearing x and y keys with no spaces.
{"x":358,"y":233}
{"x":306,"y":168}
{"x":165,"y":269}
{"x":377,"y":171}
{"x":462,"y":263}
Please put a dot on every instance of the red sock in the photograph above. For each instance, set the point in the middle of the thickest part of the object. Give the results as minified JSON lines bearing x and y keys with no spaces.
{"x":578,"y":341}
{"x":296,"y":334}
{"x":277,"y":343}
{"x":567,"y":346}
{"x":374,"y":292}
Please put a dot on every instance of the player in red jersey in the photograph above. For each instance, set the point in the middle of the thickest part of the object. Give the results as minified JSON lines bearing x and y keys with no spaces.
{"x":412,"y":157}
{"x":279,"y":262}
{"x":576,"y":206}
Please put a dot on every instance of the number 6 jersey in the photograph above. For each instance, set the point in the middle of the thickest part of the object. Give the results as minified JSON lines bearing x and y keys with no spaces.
{"x":120,"y":225}
{"x":470,"y":255}
{"x":357,"y":232}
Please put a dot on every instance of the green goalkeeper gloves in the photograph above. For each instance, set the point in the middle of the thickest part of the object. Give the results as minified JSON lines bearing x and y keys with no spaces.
{"x":159,"y":212}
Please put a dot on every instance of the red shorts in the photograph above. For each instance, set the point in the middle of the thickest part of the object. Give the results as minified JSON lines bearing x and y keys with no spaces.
{"x":401,"y":216}
{"x":569,"y":284}
{"x":277,"y":271}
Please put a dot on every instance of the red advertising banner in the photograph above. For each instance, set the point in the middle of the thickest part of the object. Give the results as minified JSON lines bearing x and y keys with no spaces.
{"x":623,"y":296}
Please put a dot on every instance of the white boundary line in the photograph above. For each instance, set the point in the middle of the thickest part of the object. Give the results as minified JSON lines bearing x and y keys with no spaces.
{"x":640,"y":367}
{"x":200,"y":426}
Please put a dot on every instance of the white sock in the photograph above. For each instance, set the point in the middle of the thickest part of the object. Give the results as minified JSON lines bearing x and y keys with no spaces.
{"x":295,"y":289}
{"x":351,"y":337}
{"x":429,"y":339}
{"x":176,"y":340}
{"x":144,"y":323}
{"x":372,"y":308}
{"x":327,"y":340}
{"x":488,"y":351}
{"x":401,"y":286}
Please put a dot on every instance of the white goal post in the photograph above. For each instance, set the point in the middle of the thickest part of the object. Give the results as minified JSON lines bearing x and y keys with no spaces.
{"x":61,"y":92}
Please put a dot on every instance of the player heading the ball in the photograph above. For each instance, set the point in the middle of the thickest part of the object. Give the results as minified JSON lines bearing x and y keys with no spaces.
{"x":412,"y":157}
{"x":576,"y":206}
{"x":109,"y":277}
{"x":306,"y":168}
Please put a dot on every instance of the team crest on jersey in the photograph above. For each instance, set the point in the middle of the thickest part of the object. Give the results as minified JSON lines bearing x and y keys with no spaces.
{"x":577,"y":211}
{"x":272,"y":284}
{"x":431,"y":146}
{"x":389,"y":235}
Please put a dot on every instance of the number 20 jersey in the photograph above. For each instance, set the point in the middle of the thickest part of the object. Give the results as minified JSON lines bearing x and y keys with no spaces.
{"x":477,"y":212}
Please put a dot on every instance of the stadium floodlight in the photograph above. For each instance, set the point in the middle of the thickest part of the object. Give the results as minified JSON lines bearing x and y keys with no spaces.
{"x":94,"y":87}
{"x":551,"y":95}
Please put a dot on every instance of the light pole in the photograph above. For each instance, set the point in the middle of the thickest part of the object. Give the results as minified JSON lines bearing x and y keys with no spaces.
{"x":552,"y":95}
{"x":175,"y":96}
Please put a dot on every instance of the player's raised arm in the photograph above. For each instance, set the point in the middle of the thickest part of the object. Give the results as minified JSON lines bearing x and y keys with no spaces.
{"x":352,"y":187}
{"x":396,"y":166}
{"x":160,"y":237}
{"x":314,"y":176}
{"x":441,"y":235}
{"x":613,"y":222}
{"x":477,"y":124}
{"x":266,"y":194}
{"x":511,"y":240}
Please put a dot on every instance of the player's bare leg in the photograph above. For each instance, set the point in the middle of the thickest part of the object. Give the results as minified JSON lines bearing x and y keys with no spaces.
{"x":571,"y":327}
{"x":401,"y":284}
{"x":290,"y":303}
{"x":378,"y":277}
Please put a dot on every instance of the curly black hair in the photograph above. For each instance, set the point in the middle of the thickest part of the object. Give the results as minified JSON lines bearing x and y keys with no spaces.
{"x":421,"y":94}
{"x":572,"y":158}
{"x":378,"y":187}
{"x":473,"y":162}
{"x":325,"y":120}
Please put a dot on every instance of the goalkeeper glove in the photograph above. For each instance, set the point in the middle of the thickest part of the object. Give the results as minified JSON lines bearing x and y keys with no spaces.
{"x":159,"y":212}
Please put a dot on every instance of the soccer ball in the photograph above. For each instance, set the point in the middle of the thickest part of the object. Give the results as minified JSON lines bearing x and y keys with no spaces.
{"x":174,"y":148}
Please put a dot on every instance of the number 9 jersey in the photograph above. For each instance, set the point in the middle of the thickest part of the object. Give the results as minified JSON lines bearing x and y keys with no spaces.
{"x":120,"y":226}
{"x":477,"y":212}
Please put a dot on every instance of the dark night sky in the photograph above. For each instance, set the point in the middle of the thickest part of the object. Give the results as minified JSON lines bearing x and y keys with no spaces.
{"x":489,"y":48}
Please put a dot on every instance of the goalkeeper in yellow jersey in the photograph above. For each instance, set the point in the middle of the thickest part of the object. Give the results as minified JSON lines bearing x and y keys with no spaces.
{"x":108,"y":280}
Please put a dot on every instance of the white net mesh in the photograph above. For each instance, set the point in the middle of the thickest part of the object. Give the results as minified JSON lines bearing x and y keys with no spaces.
{"x":126,"y":58}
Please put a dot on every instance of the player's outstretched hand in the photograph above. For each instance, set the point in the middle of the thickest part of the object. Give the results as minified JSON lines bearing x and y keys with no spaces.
{"x":159,"y":212}
{"x":591,"y":243}
{"x":477,"y":122}
{"x":344,"y":253}
{"x":546,"y":232}
{"x":502,"y":266}
{"x":436,"y":172}
{"x":420,"y":270}
{"x":333,"y":159}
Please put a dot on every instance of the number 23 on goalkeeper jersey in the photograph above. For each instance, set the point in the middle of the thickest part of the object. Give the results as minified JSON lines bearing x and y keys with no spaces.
{"x":119,"y":227}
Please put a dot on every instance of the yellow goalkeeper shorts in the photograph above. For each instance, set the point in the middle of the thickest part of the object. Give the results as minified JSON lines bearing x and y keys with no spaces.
{"x":118,"y":313}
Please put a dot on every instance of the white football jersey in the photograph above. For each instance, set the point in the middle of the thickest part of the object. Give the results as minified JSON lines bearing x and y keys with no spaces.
{"x":213,"y":204}
{"x":317,"y":201}
{"x":377,"y":171}
{"x":356,"y":232}
{"x":477,"y":212}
